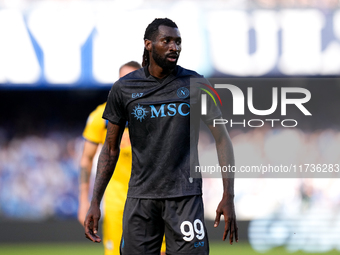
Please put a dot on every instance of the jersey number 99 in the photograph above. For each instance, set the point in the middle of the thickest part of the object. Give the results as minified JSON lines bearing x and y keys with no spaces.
{"x":187,"y":230}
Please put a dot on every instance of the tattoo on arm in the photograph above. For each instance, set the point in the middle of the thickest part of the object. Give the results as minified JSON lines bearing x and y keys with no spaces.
{"x":84,"y":175}
{"x":107,"y":161}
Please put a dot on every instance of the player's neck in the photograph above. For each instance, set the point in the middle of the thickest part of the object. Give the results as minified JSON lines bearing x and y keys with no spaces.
{"x":158,"y":72}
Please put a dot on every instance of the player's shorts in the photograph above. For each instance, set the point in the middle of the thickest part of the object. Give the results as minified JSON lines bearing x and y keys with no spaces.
{"x":113,"y":228}
{"x":181,"y":219}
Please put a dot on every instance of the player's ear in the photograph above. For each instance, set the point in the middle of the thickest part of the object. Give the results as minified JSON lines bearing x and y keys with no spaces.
{"x":147,"y":44}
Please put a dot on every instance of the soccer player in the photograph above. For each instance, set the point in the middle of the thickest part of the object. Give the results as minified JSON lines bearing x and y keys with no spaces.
{"x":162,"y":196}
{"x":115,"y":194}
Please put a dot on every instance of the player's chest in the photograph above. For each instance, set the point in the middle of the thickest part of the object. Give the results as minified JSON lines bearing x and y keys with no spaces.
{"x":159,"y":104}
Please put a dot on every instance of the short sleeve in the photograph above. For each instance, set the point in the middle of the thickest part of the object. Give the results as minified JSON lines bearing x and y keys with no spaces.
{"x":95,"y":129}
{"x":114,"y":110}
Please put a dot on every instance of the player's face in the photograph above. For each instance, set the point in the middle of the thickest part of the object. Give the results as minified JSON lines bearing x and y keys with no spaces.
{"x":167,"y":47}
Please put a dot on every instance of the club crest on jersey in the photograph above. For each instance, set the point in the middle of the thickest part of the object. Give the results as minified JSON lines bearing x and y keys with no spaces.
{"x":183,"y":92}
{"x":139,"y":112}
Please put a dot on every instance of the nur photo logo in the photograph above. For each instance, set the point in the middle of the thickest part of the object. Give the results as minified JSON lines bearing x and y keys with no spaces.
{"x":240,"y":101}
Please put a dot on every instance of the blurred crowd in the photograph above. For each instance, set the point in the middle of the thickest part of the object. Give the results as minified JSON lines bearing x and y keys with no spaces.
{"x":39,"y":174}
{"x":259,"y":197}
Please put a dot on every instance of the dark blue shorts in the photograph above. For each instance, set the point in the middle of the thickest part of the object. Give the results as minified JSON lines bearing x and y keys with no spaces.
{"x":181,"y":219}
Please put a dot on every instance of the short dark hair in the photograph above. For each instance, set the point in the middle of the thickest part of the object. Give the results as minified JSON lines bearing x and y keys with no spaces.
{"x":133,"y":64}
{"x":151,"y":33}
{"x":152,"y":30}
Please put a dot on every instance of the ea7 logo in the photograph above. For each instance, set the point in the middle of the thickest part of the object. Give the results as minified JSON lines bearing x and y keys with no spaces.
{"x":198,"y":244}
{"x":135,"y":95}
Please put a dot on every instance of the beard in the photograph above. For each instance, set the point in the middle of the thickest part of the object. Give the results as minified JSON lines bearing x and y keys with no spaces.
{"x":163,"y":62}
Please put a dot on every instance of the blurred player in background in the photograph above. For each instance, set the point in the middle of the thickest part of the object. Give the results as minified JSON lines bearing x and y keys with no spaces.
{"x":162,"y":196}
{"x":115,"y":194}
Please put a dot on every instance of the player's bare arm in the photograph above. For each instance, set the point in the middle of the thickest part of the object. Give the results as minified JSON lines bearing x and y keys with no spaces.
{"x":84,"y":179}
{"x":226,"y":206}
{"x":106,"y":163}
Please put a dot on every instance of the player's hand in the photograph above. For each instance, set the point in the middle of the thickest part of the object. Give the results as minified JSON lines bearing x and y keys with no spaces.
{"x":82,"y":210}
{"x":91,"y":224}
{"x":227,"y":208}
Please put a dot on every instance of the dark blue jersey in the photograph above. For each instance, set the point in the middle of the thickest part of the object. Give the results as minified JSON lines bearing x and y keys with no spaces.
{"x":158,"y":113}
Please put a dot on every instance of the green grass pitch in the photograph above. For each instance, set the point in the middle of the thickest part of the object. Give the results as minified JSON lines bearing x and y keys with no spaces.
{"x":216,"y":248}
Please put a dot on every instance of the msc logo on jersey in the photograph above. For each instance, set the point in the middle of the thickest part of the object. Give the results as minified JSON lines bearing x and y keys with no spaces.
{"x":139,"y":112}
{"x":164,"y":110}
{"x":183,"y":92}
